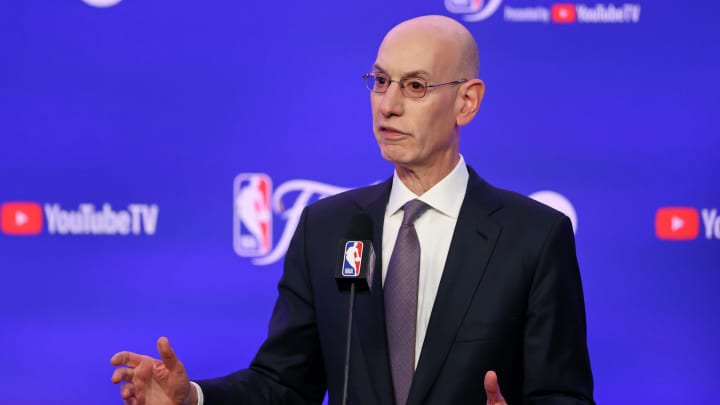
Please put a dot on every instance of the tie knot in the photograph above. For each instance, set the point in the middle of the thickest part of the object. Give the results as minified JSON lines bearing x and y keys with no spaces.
{"x":413,"y":209}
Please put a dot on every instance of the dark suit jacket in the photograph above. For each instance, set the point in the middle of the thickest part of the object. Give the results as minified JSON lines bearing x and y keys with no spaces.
{"x":510,"y":300}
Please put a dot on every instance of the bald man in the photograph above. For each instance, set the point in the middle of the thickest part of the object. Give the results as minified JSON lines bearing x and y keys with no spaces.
{"x":495,"y":294}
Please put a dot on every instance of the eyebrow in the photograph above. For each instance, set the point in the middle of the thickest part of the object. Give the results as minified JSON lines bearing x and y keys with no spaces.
{"x":414,"y":73}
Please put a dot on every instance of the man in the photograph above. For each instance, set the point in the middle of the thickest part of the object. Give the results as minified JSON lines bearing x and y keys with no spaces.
{"x":495,"y":290}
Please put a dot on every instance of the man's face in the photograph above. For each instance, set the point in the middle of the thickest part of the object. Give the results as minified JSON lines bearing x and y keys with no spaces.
{"x":416,"y":133}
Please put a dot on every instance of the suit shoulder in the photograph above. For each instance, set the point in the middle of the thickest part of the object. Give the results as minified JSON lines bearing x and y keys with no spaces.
{"x":529,"y":227}
{"x":526,"y":212}
{"x":347,"y":201}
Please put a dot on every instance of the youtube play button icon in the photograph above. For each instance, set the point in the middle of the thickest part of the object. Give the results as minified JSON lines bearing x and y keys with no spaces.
{"x":677,"y":223}
{"x":21,"y":218}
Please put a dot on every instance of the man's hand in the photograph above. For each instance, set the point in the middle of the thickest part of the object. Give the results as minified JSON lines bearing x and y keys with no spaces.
{"x":492,"y":389}
{"x":151,"y":381}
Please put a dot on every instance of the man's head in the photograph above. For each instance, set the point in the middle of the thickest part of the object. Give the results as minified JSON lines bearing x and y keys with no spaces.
{"x":422,"y":134}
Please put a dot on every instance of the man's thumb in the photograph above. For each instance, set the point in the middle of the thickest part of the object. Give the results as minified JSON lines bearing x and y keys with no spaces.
{"x":166,"y":353}
{"x":492,"y":389}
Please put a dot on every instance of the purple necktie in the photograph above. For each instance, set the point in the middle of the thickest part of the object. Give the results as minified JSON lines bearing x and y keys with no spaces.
{"x":400,"y":291}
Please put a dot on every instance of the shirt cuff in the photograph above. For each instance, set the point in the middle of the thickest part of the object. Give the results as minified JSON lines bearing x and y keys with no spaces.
{"x":200,"y":397}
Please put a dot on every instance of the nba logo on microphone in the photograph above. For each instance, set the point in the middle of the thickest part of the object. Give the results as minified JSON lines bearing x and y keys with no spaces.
{"x":252,"y":214}
{"x":353,"y":258}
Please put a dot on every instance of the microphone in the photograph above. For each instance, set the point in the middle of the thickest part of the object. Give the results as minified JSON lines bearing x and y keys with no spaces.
{"x":354,"y":272}
{"x":356,"y":264}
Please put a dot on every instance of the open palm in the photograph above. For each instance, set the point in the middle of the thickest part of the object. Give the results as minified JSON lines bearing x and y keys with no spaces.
{"x":150,"y":381}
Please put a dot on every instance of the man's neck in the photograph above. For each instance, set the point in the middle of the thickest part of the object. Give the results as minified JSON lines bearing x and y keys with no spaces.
{"x":421,"y":179}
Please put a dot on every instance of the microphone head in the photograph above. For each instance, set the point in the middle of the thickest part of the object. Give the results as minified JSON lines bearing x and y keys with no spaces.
{"x":356,"y":263}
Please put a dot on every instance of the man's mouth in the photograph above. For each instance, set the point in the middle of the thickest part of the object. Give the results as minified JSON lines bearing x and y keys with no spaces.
{"x":391,"y":132}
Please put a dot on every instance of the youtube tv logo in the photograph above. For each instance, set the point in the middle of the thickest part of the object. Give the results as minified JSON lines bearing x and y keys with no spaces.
{"x":21,"y":218}
{"x":684,"y":223}
{"x":31,"y":219}
{"x":563,"y":13}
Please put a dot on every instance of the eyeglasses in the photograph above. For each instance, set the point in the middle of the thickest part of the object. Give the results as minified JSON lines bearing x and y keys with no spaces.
{"x":413,"y":87}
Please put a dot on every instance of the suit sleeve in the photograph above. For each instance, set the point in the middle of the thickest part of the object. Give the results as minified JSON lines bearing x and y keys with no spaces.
{"x":556,"y":362}
{"x":288,"y":368}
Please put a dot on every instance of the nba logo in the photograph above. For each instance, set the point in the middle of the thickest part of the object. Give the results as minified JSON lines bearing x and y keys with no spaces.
{"x":252,"y":215}
{"x":353,"y":258}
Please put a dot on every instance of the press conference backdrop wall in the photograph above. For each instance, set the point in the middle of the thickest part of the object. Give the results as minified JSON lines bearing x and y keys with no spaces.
{"x":155,"y":156}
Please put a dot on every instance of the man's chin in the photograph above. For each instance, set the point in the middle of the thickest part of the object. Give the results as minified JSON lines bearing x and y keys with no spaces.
{"x":393,"y":156}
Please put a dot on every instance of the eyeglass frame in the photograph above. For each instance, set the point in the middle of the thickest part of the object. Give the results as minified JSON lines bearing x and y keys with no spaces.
{"x":402,"y":82}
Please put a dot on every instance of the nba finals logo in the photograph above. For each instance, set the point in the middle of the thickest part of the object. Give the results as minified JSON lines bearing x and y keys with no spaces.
{"x":254,"y":205}
{"x":252,"y":215}
{"x":353,"y":258}
{"x":473,"y":10}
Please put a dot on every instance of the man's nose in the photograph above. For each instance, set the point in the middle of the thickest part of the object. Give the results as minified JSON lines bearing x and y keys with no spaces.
{"x":392,"y":101}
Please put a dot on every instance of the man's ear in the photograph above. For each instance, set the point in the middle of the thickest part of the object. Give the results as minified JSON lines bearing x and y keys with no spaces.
{"x":469,"y":98}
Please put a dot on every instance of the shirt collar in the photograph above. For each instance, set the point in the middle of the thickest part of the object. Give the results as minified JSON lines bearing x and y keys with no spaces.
{"x":446,"y":196}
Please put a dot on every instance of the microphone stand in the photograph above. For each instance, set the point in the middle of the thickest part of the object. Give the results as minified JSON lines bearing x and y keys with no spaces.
{"x":347,"y":344}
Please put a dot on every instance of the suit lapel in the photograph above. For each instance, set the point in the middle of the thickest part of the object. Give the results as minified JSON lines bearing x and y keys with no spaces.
{"x":471,"y":247}
{"x":370,"y":309}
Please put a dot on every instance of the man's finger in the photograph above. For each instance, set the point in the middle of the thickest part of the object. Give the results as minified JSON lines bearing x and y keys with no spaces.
{"x":492,"y":389}
{"x":126,"y":359}
{"x":167,"y":354}
{"x":123,"y":374}
{"x":127,"y":391}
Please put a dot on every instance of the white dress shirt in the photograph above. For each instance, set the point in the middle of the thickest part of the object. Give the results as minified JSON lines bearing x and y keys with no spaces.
{"x":434,"y":229}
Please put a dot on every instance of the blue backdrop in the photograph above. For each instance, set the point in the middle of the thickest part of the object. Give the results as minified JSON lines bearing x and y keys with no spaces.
{"x":128,"y":134}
